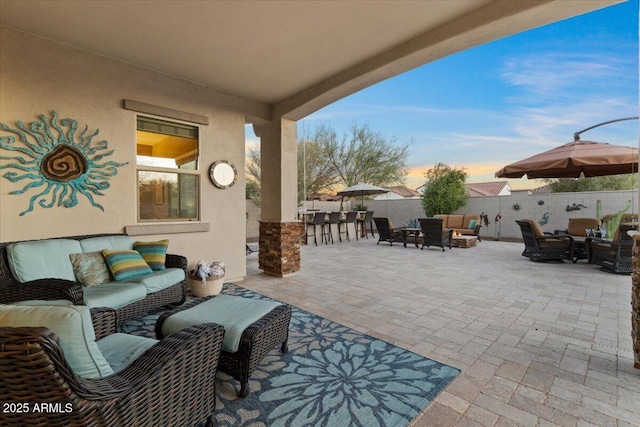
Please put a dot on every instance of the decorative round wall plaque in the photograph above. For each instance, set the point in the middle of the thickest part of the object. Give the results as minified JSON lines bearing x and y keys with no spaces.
{"x":223,"y":174}
{"x":58,"y":159}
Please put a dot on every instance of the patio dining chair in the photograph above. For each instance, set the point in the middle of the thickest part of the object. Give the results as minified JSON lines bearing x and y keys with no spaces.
{"x":386,"y":231}
{"x":362,"y":224}
{"x":317,"y":221}
{"x":351,"y":218}
{"x":334,"y":219}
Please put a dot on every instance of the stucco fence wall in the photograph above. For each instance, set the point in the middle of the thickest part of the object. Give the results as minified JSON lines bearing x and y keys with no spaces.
{"x":549,"y":210}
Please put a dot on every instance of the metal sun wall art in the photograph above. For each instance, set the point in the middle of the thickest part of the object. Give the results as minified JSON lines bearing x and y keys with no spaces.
{"x":58,"y":162}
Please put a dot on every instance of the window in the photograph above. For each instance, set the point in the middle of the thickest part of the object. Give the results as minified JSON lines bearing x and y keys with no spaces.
{"x":167,"y":167}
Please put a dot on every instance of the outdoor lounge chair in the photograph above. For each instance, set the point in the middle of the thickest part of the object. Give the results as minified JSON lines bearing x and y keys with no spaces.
{"x":171,"y":383}
{"x":386,"y":231}
{"x":434,"y":234}
{"x":540,"y":246}
{"x":578,"y":226}
{"x":613,"y":255}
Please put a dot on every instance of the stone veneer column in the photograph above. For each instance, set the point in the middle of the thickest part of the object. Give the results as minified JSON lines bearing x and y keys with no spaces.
{"x":635,"y":301}
{"x":279,"y":253}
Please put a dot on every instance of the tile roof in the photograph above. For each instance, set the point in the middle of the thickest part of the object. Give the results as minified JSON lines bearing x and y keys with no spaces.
{"x":482,"y":189}
{"x":403,"y":191}
{"x":545,"y":189}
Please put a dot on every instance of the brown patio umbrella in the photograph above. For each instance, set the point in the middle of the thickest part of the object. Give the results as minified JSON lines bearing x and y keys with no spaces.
{"x":573,"y":159}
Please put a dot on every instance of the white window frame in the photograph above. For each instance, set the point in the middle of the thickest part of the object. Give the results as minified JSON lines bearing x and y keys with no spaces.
{"x":195,"y":172}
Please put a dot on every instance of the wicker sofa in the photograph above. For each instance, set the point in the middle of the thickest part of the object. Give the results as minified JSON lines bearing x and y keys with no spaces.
{"x":42,"y":270}
{"x":462,"y":224}
{"x":120,"y":380}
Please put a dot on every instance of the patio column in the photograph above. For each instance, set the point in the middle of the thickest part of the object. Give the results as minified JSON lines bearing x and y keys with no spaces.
{"x":280,"y":230}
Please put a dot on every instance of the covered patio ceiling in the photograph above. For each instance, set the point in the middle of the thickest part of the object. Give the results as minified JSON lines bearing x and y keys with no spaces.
{"x":283,"y":58}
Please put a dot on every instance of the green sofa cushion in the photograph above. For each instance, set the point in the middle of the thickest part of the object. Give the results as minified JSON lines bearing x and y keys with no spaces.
{"x":72,"y":325}
{"x":234,"y":313}
{"x":98,"y":244}
{"x":42,"y":259}
{"x":43,"y":302}
{"x":122,"y":349}
{"x":113,"y":294}
{"x":160,"y":279}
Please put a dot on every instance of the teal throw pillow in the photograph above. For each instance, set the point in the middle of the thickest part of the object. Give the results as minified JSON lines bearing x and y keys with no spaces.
{"x":473,"y":223}
{"x":125,"y":264}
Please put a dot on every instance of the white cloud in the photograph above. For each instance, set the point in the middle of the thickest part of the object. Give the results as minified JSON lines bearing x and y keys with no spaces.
{"x":548,"y":73}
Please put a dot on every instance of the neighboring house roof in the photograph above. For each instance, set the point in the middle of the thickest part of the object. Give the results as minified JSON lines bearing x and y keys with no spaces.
{"x":545,"y":189}
{"x":483,"y":189}
{"x":403,"y":191}
{"x":397,"y":192}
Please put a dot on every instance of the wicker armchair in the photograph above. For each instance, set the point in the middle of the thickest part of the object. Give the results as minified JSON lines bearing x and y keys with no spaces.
{"x":51,"y":289}
{"x":171,"y":384}
{"x":613,"y":255}
{"x":433,"y":233}
{"x":539,"y":246}
{"x":386,"y":231}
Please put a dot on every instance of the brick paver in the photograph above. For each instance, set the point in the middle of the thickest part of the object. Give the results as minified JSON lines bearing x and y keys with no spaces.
{"x":538,"y":344}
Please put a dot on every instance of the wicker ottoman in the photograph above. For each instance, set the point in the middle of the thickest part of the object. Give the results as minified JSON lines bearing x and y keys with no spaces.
{"x":252,"y":329}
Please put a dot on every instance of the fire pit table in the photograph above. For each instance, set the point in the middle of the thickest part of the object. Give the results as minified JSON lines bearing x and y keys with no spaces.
{"x":463,"y":241}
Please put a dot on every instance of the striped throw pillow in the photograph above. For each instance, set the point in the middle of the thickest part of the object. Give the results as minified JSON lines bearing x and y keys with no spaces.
{"x":154,"y":253}
{"x":125,"y":264}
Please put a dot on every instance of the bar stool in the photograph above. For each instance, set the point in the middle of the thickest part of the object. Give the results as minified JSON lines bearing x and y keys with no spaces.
{"x":334,"y":218}
{"x":351,"y":218}
{"x":368,"y":219}
{"x":318,"y":221}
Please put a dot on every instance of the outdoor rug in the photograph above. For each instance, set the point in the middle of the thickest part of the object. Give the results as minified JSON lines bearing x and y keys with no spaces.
{"x":331,"y":376}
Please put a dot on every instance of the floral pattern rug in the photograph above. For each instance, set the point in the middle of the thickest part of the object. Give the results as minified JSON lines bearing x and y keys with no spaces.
{"x":331,"y":376}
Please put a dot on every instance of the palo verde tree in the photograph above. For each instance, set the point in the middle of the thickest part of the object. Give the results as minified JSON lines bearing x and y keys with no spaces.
{"x":314,"y":169}
{"x":363,"y":155}
{"x":445,"y":190}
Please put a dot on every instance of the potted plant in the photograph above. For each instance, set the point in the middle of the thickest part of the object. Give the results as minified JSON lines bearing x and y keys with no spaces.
{"x":612,"y":222}
{"x":207,"y":278}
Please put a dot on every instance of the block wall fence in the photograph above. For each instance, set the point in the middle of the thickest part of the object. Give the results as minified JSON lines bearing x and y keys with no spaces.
{"x":549,"y":210}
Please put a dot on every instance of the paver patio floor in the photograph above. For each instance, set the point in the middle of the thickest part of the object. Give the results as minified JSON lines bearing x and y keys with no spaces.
{"x":538,"y":344}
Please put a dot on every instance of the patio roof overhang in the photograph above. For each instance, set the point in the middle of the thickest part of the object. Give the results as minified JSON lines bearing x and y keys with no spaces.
{"x":275,"y":59}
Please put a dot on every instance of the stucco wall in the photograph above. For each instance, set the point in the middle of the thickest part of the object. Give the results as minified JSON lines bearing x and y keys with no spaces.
{"x":38,"y":76}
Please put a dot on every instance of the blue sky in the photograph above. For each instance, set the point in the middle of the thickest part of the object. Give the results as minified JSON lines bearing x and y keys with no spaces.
{"x":489,"y":106}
